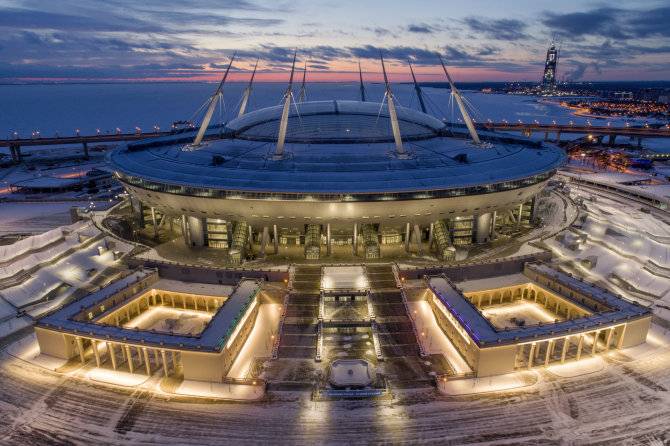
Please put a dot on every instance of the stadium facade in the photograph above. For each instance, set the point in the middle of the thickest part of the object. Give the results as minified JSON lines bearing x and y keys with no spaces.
{"x":336,"y":172}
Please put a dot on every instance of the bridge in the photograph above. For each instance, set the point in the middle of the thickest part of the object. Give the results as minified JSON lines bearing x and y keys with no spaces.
{"x":599,"y":131}
{"x":16,"y":144}
{"x":526,"y":129}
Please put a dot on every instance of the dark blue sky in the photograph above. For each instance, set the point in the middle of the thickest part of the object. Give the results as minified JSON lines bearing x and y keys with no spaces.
{"x":193,"y":39}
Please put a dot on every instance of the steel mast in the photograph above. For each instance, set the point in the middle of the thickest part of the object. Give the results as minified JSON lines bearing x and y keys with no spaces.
{"x":247,"y":92}
{"x":212,"y":106}
{"x":461,"y":106}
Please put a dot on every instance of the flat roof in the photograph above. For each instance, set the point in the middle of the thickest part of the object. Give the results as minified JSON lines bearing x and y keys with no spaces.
{"x":211,"y":339}
{"x":336,"y":166}
{"x":484,"y":333}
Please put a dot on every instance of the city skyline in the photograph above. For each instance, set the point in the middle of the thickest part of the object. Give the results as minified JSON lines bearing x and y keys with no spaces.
{"x":119,"y":40}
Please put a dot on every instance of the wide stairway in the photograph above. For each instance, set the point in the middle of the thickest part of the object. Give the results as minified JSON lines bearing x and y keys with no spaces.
{"x":395,"y":328}
{"x":299,"y":334}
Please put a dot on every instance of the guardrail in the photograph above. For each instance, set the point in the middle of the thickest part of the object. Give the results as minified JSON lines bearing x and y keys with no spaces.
{"x":319,"y":342}
{"x":375,"y":341}
{"x":399,"y":284}
{"x":282,"y":317}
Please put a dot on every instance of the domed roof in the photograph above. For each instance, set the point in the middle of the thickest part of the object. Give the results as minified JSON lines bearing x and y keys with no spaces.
{"x":335,"y":121}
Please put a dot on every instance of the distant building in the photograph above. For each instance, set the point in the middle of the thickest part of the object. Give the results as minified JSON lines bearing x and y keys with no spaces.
{"x":548,"y":83}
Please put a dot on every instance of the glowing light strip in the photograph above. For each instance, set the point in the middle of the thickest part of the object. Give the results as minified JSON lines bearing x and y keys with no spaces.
{"x":241,"y":323}
{"x":450,"y":318}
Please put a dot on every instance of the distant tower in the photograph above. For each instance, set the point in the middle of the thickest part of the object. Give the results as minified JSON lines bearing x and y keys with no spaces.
{"x":549,"y":79}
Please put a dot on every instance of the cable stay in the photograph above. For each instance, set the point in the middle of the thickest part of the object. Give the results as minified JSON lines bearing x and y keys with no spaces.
{"x":212,"y":105}
{"x":360,"y":73}
{"x":247,"y":92}
{"x":417,"y":88}
{"x":279,"y":153}
{"x":461,"y":106}
{"x":302,"y":89}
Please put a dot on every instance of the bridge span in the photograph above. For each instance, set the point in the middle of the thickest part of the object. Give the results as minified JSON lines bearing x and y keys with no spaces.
{"x":525,"y":129}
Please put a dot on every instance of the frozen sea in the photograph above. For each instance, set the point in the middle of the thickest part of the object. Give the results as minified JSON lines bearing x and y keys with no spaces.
{"x":64,"y":108}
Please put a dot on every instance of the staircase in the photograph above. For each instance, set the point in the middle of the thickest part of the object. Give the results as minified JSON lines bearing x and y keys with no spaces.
{"x":394,"y":327}
{"x":300,"y":330}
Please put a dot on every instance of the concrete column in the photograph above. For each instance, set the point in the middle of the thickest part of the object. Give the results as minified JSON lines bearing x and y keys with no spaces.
{"x":483,"y":233}
{"x":355,"y":239}
{"x":174,"y":360}
{"x":530,"y":356}
{"x":131,"y":366}
{"x":19,"y":156}
{"x":276,"y":240}
{"x":493,"y":225}
{"x":128,"y":314}
{"x":558,"y":137}
{"x":85,"y":144}
{"x":165,"y":364}
{"x":417,"y":235}
{"x":519,"y":356}
{"x":158,"y":362}
{"x":146,"y":361}
{"x":206,"y":305}
{"x":430,"y":236}
{"x":639,"y":142}
{"x":251,"y":240}
{"x":116,"y":316}
{"x":579,"y":346}
{"x":80,"y":347}
{"x":568,"y":313}
{"x":153,"y":220}
{"x":96,"y":353}
{"x":407,"y":238}
{"x":195,"y":303}
{"x":550,"y":347}
{"x":12,"y":150}
{"x":594,"y":347}
{"x":139,"y":355}
{"x":609,"y":339}
{"x":566,"y":346}
{"x":518,"y":220}
{"x":196,"y":233}
{"x":328,"y":241}
{"x":623,"y":333}
{"x":184,"y":230}
{"x":264,"y":239}
{"x":112,"y":355}
{"x":172,"y":299}
{"x":183,"y":300}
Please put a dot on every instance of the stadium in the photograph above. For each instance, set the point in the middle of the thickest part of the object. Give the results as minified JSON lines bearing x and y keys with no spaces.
{"x":344,"y":172}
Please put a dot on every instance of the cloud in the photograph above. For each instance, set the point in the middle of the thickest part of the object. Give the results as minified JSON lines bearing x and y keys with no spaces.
{"x":498,"y":29}
{"x":612,"y":23}
{"x":421,"y":29}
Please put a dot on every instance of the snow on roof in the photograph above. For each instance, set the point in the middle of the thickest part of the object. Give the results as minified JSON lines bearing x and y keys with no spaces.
{"x":218,"y":330}
{"x":336,"y":165}
{"x":485,"y":334}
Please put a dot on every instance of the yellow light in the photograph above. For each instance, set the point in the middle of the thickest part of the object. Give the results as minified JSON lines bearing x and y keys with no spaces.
{"x":241,"y":323}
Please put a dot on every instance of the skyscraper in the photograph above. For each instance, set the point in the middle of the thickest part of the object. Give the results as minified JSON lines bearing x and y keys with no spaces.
{"x":549,"y":79}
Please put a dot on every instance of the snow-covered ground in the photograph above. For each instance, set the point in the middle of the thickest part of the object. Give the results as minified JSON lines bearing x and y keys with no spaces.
{"x":62,"y":260}
{"x":624,"y":248}
{"x":343,"y":277}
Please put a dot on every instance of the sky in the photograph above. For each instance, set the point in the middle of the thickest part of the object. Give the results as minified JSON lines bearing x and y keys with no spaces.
{"x":159,"y":40}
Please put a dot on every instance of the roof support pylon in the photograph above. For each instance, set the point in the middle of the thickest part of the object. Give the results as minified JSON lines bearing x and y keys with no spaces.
{"x":360,"y":73}
{"x":284,"y":115}
{"x":212,"y":106}
{"x":461,"y":106}
{"x":417,"y":88}
{"x":394,"y":118}
{"x":302,"y":89}
{"x":247,"y":92}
